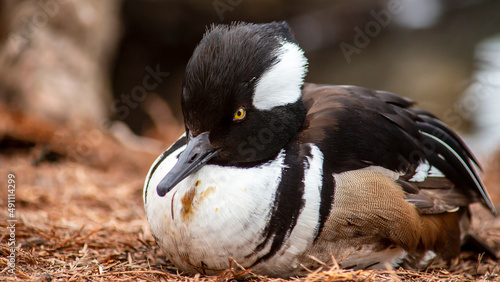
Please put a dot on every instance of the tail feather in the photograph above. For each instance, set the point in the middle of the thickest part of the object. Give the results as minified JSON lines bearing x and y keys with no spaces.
{"x":450,"y":155}
{"x":436,"y":123}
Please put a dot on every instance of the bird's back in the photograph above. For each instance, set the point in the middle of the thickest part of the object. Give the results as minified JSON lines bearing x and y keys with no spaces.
{"x":402,"y":179}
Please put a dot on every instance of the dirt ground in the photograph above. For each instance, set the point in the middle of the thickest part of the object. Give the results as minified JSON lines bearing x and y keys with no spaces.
{"x":80,"y":215}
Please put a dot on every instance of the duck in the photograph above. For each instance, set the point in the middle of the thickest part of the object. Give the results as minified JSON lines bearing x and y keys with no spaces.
{"x":280,"y":175}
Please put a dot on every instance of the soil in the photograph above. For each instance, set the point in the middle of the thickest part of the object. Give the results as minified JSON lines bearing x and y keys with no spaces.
{"x":80,"y":215}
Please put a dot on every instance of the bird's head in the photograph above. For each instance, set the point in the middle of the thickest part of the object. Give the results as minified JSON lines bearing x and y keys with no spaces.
{"x":241,"y":97}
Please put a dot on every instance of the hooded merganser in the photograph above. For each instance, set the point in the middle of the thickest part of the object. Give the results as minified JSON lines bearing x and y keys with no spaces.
{"x":273,"y":171}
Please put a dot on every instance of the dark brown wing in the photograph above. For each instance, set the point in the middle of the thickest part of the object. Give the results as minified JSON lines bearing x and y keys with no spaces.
{"x":356,"y":127}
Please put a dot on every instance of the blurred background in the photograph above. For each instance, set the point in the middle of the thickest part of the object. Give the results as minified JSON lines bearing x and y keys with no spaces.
{"x":90,"y":96}
{"x":118,"y":65}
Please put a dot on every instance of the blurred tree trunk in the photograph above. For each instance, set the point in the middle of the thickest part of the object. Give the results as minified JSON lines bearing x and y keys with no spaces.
{"x":55,"y":57}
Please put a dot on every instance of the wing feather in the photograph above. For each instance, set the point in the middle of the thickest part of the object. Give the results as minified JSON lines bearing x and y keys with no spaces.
{"x":356,"y":127}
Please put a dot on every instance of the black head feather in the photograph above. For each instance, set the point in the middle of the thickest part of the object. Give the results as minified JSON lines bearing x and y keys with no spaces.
{"x":228,"y":60}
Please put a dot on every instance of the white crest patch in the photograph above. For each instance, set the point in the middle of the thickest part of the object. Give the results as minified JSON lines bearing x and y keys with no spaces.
{"x":280,"y":84}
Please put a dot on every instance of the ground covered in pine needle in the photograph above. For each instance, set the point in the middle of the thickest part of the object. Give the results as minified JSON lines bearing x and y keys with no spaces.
{"x":80,"y":215}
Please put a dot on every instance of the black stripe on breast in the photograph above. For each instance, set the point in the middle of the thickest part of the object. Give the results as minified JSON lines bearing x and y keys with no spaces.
{"x":287,"y":205}
{"x":327,"y":195}
{"x":179,"y":143}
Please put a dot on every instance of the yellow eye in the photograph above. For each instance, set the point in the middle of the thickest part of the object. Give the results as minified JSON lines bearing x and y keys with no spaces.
{"x":240,"y":114}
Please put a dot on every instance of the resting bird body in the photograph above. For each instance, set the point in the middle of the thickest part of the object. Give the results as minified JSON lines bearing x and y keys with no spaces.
{"x":278,"y":174}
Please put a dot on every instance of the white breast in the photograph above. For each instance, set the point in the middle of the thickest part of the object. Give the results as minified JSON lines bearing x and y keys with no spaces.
{"x":219,"y":213}
{"x":215,"y":213}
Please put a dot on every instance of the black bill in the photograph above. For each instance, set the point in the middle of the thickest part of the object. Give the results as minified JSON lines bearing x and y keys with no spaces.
{"x":197,"y":153}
